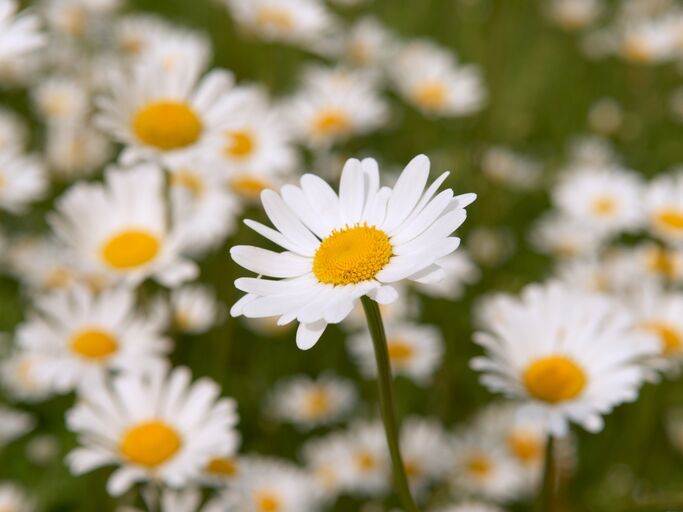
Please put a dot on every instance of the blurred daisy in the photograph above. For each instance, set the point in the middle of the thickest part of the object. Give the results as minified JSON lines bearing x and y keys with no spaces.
{"x":82,"y":336}
{"x":569,"y":355}
{"x":327,"y":460}
{"x":220,"y":471}
{"x":425,"y":448}
{"x":19,"y":32}
{"x":194,"y":308}
{"x":159,"y":427}
{"x":341,"y":247}
{"x":119,"y":228}
{"x":13,"y":131}
{"x":14,"y":424}
{"x":511,"y":169}
{"x":366,"y":465}
{"x":491,"y":246}
{"x":334,"y":105}
{"x":459,"y":270}
{"x":61,"y":100}
{"x":308,"y":402}
{"x":22,"y":181}
{"x":649,"y":40}
{"x":664,"y":204}
{"x":20,"y":377}
{"x":646,"y":263}
{"x":415,"y":351}
{"x":429,"y":78}
{"x":165,"y":114}
{"x":41,"y":264}
{"x":76,"y":150}
{"x":366,"y":44}
{"x":14,"y":499}
{"x":574,"y":14}
{"x":565,"y":237}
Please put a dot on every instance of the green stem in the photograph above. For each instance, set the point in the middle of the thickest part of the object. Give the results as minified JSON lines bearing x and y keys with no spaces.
{"x":546,"y":499}
{"x":386,"y":400}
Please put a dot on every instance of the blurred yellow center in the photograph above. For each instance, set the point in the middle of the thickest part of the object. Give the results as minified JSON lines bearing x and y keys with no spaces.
{"x":669,"y":337}
{"x":365,"y":461}
{"x":150,"y":443}
{"x":637,"y":50}
{"x":352,"y":255}
{"x":671,"y":219}
{"x":431,"y":95}
{"x":58,"y":277}
{"x":400,"y":351}
{"x":331,"y":123}
{"x":223,"y":466}
{"x":130,"y":249}
{"x":189,"y":181}
{"x":249,"y":187}
{"x":240,"y":144}
{"x":317,"y":403}
{"x":267,"y":502}
{"x":94,"y":344}
{"x":524,"y":447}
{"x":604,"y":206}
{"x":412,"y":468}
{"x":167,"y":125}
{"x":274,"y":17}
{"x":554,"y":379}
{"x":661,"y":261}
{"x":480,"y":466}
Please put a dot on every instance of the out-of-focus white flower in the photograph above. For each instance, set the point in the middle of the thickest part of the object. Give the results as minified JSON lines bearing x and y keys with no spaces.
{"x":194,"y":308}
{"x":367,"y":44}
{"x":22,"y":181}
{"x":574,"y":14}
{"x":20,"y":378}
{"x":564,"y":237}
{"x":14,"y":424}
{"x":664,"y":205}
{"x":76,"y":150}
{"x":514,"y":170}
{"x":649,"y":40}
{"x":606,"y":116}
{"x":459,"y":270}
{"x":366,"y":465}
{"x":14,"y":499}
{"x":61,"y":100}
{"x":13,"y":133}
{"x":43,"y":450}
{"x":41,"y":264}
{"x":491,"y":246}
{"x":591,"y":152}
{"x":327,"y":460}
{"x":19,"y":32}
{"x":426,"y":452}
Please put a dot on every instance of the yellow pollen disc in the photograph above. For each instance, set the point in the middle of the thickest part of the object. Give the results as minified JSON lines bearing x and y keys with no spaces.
{"x":272,"y":17}
{"x":670,"y":219}
{"x":317,"y":403}
{"x":94,"y":344}
{"x":671,"y":340}
{"x":431,"y":95}
{"x":129,"y":249}
{"x":352,"y":255}
{"x":188,"y":180}
{"x":132,"y":46}
{"x":637,"y":50}
{"x":249,"y":187}
{"x":365,"y":461}
{"x":400,"y":351}
{"x":412,"y":468}
{"x":554,"y":379}
{"x":224,"y":466}
{"x":359,"y":54}
{"x":331,"y":123}
{"x":479,"y":466}
{"x":524,"y":447}
{"x":167,"y":125}
{"x":267,"y":502}
{"x":604,"y":206}
{"x":150,"y":444}
{"x":240,"y":144}
{"x":58,"y":277}
{"x":661,"y":261}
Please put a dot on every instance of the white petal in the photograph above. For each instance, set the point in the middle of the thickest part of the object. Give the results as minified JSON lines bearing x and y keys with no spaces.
{"x":384,"y":294}
{"x":278,"y":238}
{"x":308,"y":335}
{"x":269,"y":263}
{"x":407,"y":192}
{"x":352,"y":192}
{"x":286,"y":222}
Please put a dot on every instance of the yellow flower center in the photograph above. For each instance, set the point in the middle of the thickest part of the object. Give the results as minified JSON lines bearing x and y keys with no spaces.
{"x":273,"y":17}
{"x":167,"y":125}
{"x":223,"y":466}
{"x":365,"y":461}
{"x":129,"y":249}
{"x":524,"y":447}
{"x":317,"y":403}
{"x":94,"y":344}
{"x":604,"y":206}
{"x":412,"y":468}
{"x":661,"y":261}
{"x":554,"y":379}
{"x":267,"y":501}
{"x":670,"y":219}
{"x":188,"y":180}
{"x":352,"y":255}
{"x":331,"y":122}
{"x":479,"y":466}
{"x":671,"y":340}
{"x":431,"y":95}
{"x":637,"y":50}
{"x":240,"y":144}
{"x":58,"y":277}
{"x":400,"y":351}
{"x":150,"y":443}
{"x":249,"y":187}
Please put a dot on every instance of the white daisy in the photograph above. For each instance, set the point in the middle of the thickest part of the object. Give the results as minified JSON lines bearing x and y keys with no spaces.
{"x":14,"y":499}
{"x":19,"y":376}
{"x":415,"y":351}
{"x":429,"y":78}
{"x":156,"y":427}
{"x":83,"y":336}
{"x":22,"y":181}
{"x":328,"y":461}
{"x":426,"y":449}
{"x":308,"y":402}
{"x":562,"y":236}
{"x":366,"y":44}
{"x":569,"y":355}
{"x":511,"y":169}
{"x":646,"y":263}
{"x":366,"y":467}
{"x":649,"y":40}
{"x":14,"y":424}
{"x":334,"y":105}
{"x":61,"y":100}
{"x":13,"y":131}
{"x":76,"y":150}
{"x":664,"y":205}
{"x":574,"y":14}
{"x":194,"y":308}
{"x":119,"y":229}
{"x":220,"y":471}
{"x":41,"y":264}
{"x":459,"y":270}
{"x":339,"y":248}
{"x":19,"y":33}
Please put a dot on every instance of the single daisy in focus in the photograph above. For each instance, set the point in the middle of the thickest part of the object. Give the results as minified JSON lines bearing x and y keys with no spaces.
{"x":308,"y":402}
{"x":459,"y":270}
{"x":119,"y":228}
{"x":415,"y":351}
{"x":14,"y":424}
{"x":14,"y":499}
{"x":22,"y":181}
{"x":194,"y":308}
{"x":429,"y":78}
{"x":341,"y":247}
{"x":83,"y":336}
{"x":268,"y":485}
{"x":569,"y":355}
{"x":165,"y":114}
{"x":664,"y":205}
{"x":426,"y":449}
{"x":156,"y":427}
{"x":334,"y":105}
{"x":19,"y":33}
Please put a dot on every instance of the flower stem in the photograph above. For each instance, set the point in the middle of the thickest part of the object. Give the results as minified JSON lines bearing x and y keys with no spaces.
{"x":386,"y":400}
{"x":546,"y":499}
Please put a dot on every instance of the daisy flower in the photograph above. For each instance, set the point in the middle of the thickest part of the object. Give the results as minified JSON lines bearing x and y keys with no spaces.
{"x":76,"y":150}
{"x":119,"y":228}
{"x":366,"y":466}
{"x":21,"y":379}
{"x":308,"y":402}
{"x":41,"y":264}
{"x":425,"y":448}
{"x":61,"y":100}
{"x":194,"y":308}
{"x":220,"y":471}
{"x":334,"y":105}
{"x":459,"y":270}
{"x":327,"y":460}
{"x":165,"y":114}
{"x":22,"y":181}
{"x":511,"y":169}
{"x":14,"y":424}
{"x":429,"y":78}
{"x":565,"y":237}
{"x":649,"y":40}
{"x":415,"y":351}
{"x":14,"y":499}
{"x":664,"y":205}
{"x":156,"y":427}
{"x":19,"y":33}
{"x":341,"y":247}
{"x":82,"y":336}
{"x":569,"y":355}
{"x":646,"y":263}
{"x":574,"y":14}
{"x":367,"y":44}
{"x":13,"y":131}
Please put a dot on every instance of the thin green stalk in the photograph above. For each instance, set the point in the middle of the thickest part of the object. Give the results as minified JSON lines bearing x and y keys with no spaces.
{"x":546,"y":498}
{"x":386,"y":401}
